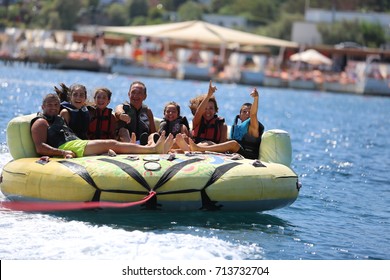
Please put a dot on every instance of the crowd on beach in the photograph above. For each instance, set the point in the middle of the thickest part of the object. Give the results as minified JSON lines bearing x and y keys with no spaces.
{"x":366,"y":73}
{"x":70,"y":126}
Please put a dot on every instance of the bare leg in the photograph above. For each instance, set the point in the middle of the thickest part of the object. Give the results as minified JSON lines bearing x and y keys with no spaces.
{"x":229,"y":146}
{"x":102,"y":146}
{"x":167,"y":143}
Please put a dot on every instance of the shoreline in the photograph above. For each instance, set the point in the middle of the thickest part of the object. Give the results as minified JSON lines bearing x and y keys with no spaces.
{"x":370,"y":86}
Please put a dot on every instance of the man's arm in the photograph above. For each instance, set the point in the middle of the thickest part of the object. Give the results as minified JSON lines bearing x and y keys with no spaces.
{"x":121,"y":115}
{"x":39,"y":136}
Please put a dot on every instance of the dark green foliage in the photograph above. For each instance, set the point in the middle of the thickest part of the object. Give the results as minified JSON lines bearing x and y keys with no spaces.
{"x":363,"y":33}
{"x":266,"y":17}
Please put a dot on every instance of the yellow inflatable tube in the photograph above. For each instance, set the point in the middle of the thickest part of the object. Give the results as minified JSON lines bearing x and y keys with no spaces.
{"x":185,"y":182}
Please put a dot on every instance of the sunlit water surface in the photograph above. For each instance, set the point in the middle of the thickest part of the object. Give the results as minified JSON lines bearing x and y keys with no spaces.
{"x":340,"y":151}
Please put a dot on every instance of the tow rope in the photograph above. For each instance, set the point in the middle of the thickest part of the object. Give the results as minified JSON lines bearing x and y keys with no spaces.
{"x":30,"y":206}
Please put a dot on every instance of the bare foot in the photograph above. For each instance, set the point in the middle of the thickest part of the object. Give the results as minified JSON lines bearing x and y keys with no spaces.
{"x":194,"y":147}
{"x":181,"y":143}
{"x":168,"y":143}
{"x":133,"y":138}
{"x":160,"y":144}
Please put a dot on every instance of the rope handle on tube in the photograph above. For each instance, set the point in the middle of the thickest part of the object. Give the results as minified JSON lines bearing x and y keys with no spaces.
{"x":29,"y":206}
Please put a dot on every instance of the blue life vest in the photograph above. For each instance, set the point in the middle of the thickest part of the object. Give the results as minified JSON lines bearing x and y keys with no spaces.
{"x":239,"y":130}
{"x":250,"y":145}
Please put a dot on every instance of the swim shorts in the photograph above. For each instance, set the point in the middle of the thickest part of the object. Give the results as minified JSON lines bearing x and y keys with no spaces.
{"x":77,"y":146}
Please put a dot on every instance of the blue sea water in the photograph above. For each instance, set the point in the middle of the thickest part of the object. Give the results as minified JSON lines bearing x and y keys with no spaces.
{"x":340,"y":151}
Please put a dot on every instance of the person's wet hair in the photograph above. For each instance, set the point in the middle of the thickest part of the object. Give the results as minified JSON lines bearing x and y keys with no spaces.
{"x":195,"y":102}
{"x":63,"y":92}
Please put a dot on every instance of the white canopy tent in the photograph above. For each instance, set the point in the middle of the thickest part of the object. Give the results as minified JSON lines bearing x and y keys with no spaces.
{"x":200,"y":32}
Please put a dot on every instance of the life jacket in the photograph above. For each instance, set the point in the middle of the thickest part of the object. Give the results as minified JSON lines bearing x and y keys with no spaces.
{"x":250,"y":145}
{"x":173,"y":127}
{"x":238,"y":131}
{"x":209,"y":130}
{"x":139,"y":120}
{"x":100,"y":124}
{"x":58,"y":132}
{"x":79,"y":119}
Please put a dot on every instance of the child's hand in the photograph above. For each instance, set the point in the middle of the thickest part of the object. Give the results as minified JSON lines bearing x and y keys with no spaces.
{"x":212,"y":89}
{"x":254,"y":93}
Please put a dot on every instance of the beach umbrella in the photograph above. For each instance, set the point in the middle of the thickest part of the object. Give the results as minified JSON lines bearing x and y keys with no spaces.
{"x":312,"y":57}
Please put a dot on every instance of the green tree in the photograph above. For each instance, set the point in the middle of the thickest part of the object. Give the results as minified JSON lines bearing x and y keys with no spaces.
{"x":373,"y":34}
{"x":267,"y":17}
{"x":41,"y":15}
{"x":67,"y":13}
{"x":294,"y":7}
{"x":139,"y":21}
{"x":54,"y":21}
{"x":172,"y":5}
{"x":91,"y":12}
{"x":155,"y":15}
{"x":352,"y":5}
{"x":116,"y":15}
{"x":217,"y":5}
{"x":13,"y":13}
{"x":363,"y":33}
{"x":137,"y":8}
{"x":281,"y":28}
{"x":190,"y":11}
{"x":258,"y":12}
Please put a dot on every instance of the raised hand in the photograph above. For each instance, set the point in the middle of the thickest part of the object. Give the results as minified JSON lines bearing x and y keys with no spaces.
{"x":212,"y":89}
{"x":254,"y":93}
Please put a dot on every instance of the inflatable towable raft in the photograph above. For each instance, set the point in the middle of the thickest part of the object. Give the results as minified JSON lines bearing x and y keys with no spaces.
{"x":179,"y":182}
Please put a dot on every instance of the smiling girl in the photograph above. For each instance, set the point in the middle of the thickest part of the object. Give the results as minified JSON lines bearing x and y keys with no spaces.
{"x":75,"y":112}
{"x":208,"y":127}
{"x":102,"y":123}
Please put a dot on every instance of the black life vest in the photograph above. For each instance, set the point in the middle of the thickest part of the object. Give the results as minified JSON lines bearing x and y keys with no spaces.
{"x":139,"y":120}
{"x":79,"y":119}
{"x":58,"y":132}
{"x":173,"y":127}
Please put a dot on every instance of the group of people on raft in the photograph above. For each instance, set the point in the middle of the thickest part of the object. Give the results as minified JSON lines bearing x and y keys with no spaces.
{"x":68,"y":127}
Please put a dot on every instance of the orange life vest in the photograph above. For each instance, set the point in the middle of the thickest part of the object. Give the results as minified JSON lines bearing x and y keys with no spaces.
{"x":101,"y":125}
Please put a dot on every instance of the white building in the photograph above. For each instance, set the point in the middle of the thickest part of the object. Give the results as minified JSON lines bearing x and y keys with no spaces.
{"x":307,"y":33}
{"x":226,"y":21}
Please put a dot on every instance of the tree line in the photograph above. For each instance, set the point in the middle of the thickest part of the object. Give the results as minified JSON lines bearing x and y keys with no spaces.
{"x":265,"y":17}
